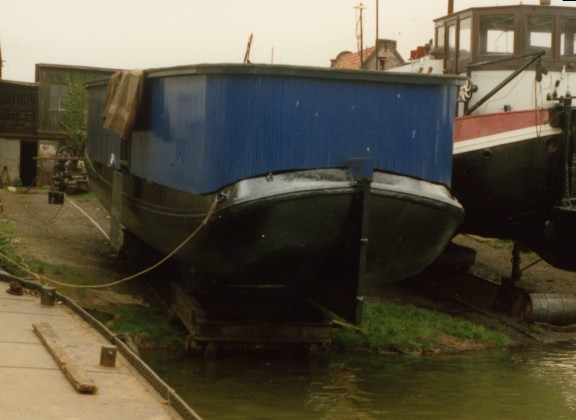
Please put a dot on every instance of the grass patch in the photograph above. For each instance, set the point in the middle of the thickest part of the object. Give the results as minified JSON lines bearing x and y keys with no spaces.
{"x":149,"y":327}
{"x":6,"y":249}
{"x":388,"y":326}
{"x":50,"y":271}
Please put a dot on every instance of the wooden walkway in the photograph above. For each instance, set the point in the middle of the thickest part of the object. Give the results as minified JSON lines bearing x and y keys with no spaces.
{"x":33,"y":384}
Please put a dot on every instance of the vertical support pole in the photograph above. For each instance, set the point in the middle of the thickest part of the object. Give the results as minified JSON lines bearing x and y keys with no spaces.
{"x":516,"y":273}
{"x":364,"y":238}
{"x":116,"y":238}
{"x":362,"y":171}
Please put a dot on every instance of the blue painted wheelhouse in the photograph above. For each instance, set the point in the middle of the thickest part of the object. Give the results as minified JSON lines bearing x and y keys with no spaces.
{"x":323,"y":175}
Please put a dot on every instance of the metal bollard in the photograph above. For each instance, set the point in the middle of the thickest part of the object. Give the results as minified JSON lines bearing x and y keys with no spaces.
{"x":108,"y":356}
{"x":47,"y":296}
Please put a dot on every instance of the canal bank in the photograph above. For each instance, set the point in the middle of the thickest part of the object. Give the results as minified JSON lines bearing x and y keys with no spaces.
{"x":74,"y":241}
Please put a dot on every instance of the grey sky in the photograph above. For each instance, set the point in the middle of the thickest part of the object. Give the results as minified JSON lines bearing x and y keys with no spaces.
{"x":161,"y":33}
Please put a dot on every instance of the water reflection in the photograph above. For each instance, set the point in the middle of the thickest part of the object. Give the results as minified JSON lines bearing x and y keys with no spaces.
{"x":526,"y":383}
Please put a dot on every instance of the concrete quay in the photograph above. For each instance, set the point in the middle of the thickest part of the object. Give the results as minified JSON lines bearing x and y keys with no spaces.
{"x":35,"y":386}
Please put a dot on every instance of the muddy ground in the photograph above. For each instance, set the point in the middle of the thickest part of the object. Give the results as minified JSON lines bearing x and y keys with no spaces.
{"x":73,"y":235}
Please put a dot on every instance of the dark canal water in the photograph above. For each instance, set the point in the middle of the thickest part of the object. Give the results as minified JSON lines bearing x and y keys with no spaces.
{"x":518,"y":383}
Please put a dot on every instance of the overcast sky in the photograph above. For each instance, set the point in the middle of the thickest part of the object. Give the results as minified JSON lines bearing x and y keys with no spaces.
{"x":160,"y":33}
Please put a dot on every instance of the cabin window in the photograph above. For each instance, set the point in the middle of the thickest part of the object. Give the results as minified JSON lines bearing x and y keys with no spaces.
{"x":440,"y":41}
{"x":58,"y":97}
{"x":451,"y":55}
{"x":497,"y":34}
{"x":540,"y":33}
{"x":568,"y":38}
{"x":464,"y":41}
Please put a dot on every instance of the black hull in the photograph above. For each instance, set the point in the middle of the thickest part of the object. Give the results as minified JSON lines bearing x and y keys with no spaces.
{"x":302,"y":237}
{"x":514,"y":191}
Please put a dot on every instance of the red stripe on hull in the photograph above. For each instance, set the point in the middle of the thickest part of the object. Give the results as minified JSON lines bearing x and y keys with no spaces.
{"x":476,"y":126}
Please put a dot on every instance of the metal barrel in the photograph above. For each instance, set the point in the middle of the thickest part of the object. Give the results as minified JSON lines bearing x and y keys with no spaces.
{"x":550,"y":308}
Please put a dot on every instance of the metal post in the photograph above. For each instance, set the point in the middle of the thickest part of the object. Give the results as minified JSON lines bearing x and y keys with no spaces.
{"x":377,"y":62}
{"x":516,"y":272}
{"x":364,"y":237}
{"x":116,"y":211}
{"x":47,"y":296}
{"x":108,"y":356}
{"x":362,"y":171}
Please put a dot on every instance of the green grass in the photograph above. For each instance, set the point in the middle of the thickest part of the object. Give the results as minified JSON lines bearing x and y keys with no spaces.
{"x":148,"y":326}
{"x":6,"y":249}
{"x":388,"y":326}
{"x":62,"y":273}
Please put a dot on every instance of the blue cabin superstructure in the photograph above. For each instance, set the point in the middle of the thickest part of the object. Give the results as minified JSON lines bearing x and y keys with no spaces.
{"x":261,"y":122}
{"x":317,"y":172}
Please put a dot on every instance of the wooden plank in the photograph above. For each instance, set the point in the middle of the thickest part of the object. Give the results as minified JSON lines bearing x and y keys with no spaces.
{"x":71,"y":368}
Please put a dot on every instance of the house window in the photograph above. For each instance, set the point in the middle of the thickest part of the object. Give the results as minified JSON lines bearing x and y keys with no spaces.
{"x":568,"y":38}
{"x":497,"y":34}
{"x":58,"y":97}
{"x":540,"y":33}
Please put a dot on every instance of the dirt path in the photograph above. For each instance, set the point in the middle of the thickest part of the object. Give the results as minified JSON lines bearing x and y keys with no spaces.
{"x":71,"y":235}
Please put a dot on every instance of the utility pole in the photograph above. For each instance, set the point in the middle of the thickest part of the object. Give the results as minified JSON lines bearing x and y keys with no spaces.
{"x":360,"y":33}
{"x":376,"y":62}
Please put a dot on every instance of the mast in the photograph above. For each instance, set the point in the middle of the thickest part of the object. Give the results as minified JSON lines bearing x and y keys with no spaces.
{"x":376,"y":63}
{"x":360,"y":33}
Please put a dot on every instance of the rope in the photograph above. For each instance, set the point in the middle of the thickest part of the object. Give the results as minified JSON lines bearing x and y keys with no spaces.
{"x":41,"y":219}
{"x":131,"y":277}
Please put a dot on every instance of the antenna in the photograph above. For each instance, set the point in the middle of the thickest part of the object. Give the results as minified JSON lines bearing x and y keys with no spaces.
{"x":376,"y":43}
{"x":360,"y":32}
{"x":248,"y":46}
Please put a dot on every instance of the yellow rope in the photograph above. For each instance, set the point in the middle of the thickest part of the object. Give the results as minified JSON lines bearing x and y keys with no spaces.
{"x":133,"y":276}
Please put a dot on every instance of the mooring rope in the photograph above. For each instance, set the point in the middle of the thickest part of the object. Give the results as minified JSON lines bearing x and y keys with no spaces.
{"x":131,"y":277}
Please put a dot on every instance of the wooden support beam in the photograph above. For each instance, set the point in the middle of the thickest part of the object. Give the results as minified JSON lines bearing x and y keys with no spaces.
{"x":71,"y":368}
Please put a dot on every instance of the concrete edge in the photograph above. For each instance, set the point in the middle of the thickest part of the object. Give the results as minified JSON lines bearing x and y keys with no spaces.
{"x":153,"y":379}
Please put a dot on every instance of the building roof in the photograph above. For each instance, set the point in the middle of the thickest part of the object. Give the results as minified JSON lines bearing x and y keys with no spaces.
{"x":348,"y":60}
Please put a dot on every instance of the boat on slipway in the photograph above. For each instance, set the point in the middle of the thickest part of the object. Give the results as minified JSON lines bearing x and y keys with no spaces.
{"x":324,"y":179}
{"x":514,"y":157}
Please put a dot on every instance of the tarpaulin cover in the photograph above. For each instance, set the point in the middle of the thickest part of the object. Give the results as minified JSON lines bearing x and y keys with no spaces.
{"x":123,"y":99}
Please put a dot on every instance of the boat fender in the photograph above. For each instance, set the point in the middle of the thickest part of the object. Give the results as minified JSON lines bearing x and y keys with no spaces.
{"x":466,"y":90}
